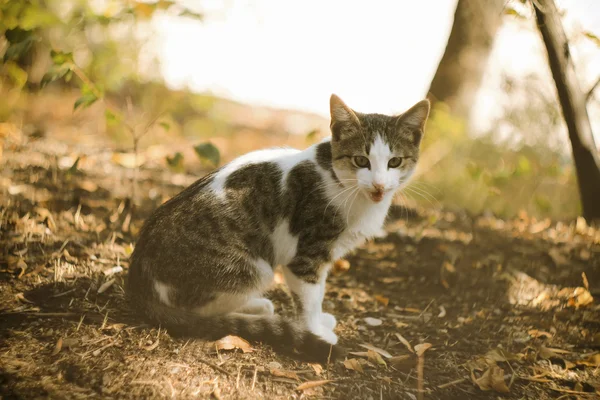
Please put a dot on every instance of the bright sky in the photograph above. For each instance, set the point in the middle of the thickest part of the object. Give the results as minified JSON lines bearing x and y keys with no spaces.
{"x":378,"y":55}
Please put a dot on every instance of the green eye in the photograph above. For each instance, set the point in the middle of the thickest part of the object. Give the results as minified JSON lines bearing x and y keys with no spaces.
{"x":361,"y":161}
{"x":395,"y":162}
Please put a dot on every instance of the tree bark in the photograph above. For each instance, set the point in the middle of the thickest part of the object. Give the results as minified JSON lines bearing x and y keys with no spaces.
{"x":463,"y":64}
{"x":573,"y":104}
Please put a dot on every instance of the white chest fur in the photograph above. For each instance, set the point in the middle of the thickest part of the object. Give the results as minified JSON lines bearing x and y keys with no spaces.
{"x":365,"y":222}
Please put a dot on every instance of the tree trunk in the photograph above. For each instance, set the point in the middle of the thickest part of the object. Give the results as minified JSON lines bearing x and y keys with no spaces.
{"x":573,"y":103}
{"x":461,"y":69}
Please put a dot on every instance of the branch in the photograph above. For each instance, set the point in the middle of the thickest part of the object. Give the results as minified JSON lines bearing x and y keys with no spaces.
{"x":590,"y":92}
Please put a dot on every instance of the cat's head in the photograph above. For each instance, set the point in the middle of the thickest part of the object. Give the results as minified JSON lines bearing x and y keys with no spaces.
{"x":377,"y":152}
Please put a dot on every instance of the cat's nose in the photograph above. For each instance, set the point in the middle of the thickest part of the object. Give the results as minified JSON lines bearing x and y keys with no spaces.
{"x":378,"y":187}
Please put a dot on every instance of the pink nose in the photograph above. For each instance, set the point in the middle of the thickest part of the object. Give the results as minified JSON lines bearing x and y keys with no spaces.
{"x":378,"y":187}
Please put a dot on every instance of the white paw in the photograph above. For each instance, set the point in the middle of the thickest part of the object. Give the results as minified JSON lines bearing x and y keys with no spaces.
{"x":326,"y":334}
{"x":260,"y":306}
{"x":328,"y":321}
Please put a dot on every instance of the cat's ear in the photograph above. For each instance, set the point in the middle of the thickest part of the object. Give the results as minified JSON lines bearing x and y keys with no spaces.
{"x":416,"y":116}
{"x":341,"y":114}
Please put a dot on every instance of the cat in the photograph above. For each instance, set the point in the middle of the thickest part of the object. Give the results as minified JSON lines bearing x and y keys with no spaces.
{"x":204,"y":258}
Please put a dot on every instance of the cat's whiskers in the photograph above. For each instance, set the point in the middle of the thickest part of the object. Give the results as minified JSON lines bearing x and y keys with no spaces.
{"x":357,"y":191}
{"x":343,"y":203}
{"x":345,"y":190}
{"x":424,"y":195}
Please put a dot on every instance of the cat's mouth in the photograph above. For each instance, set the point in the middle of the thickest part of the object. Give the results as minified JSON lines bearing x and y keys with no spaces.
{"x":376,"y":195}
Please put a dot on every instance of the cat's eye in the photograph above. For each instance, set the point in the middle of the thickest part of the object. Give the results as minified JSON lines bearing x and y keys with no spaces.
{"x":361,"y":161}
{"x":395,"y":162}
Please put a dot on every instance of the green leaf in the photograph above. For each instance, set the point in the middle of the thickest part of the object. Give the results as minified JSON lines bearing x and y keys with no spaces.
{"x":73,"y":169}
{"x":165,"y":125}
{"x":191,"y":14}
{"x":175,"y":163}
{"x":593,"y":38}
{"x":16,"y":49}
{"x":56,"y":72}
{"x":59,"y":57}
{"x":85,"y":101}
{"x":208,"y":151}
{"x":112,"y":118}
{"x":513,"y":12}
{"x":16,"y":73}
{"x":312,"y":135}
{"x":37,"y":17}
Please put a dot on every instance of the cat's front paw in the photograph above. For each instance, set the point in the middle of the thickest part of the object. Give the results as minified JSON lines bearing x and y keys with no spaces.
{"x":328,"y":320}
{"x":327,"y":335}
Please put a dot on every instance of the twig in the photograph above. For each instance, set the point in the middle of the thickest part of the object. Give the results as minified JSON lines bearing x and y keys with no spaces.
{"x":254,"y":378}
{"x":223,"y":371}
{"x":452,"y":383}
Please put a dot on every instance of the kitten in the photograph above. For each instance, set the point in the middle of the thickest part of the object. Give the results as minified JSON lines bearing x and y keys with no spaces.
{"x":204,"y":258}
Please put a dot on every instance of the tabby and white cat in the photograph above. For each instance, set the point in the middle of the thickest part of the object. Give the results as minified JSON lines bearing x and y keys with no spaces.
{"x":205,"y":258}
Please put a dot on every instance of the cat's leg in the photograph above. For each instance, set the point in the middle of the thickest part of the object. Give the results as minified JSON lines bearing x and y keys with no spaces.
{"x":257,"y":306}
{"x":309,"y":290}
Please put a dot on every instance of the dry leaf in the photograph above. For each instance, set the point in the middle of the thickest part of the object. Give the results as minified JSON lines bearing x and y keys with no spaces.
{"x":579,"y":297}
{"x":547,"y":353}
{"x":359,"y":353}
{"x":284,"y":374}
{"x":402,"y":360}
{"x":420,"y":349}
{"x":442,"y":313}
{"x":500,"y":355}
{"x":382,"y":299}
{"x":354,"y":365}
{"x":23,"y":266}
{"x":22,"y":299}
{"x":376,"y":350}
{"x":57,"y":347}
{"x":153,"y":345}
{"x":492,"y":379}
{"x":591,"y":361}
{"x":586,"y":283}
{"x":374,"y":357}
{"x":404,"y":342}
{"x":231,"y":342}
{"x":313,"y":384}
{"x":88,"y":185}
{"x":318,"y":368}
{"x":105,"y":286}
{"x":340,"y":266}
{"x":373,"y":321}
{"x":539,"y":334}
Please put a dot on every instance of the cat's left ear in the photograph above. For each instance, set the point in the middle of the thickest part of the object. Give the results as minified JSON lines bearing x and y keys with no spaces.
{"x":415,"y":117}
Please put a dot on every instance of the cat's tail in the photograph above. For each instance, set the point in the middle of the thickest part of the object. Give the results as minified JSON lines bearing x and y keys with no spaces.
{"x":282,"y":334}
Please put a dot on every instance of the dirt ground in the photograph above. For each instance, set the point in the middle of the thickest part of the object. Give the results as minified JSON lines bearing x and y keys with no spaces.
{"x":462,"y":307}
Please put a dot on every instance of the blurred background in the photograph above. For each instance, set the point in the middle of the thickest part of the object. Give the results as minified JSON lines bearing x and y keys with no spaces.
{"x":180,"y":87}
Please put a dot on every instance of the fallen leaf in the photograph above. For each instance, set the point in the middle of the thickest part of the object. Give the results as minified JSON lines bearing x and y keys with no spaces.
{"x":376,"y":349}
{"x":535,"y":333}
{"x":22,"y":299}
{"x":341,"y":265}
{"x":104,"y":287}
{"x":88,"y":185}
{"x":284,"y":374}
{"x":591,"y":361}
{"x":373,"y":321}
{"x":374,"y":357}
{"x":442,"y":313}
{"x":546,"y":353}
{"x":354,"y":365}
{"x":23,"y":267}
{"x":154,"y":345}
{"x":359,"y":353}
{"x":404,"y":342}
{"x":420,"y":349}
{"x":382,"y":299}
{"x":313,"y":384}
{"x":401,"y":360}
{"x":231,"y":342}
{"x":318,"y":368}
{"x":57,"y":347}
{"x":492,"y":379}
{"x":586,"y":283}
{"x":500,"y":355}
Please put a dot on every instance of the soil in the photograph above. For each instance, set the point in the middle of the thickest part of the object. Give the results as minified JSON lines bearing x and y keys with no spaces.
{"x":493,"y":308}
